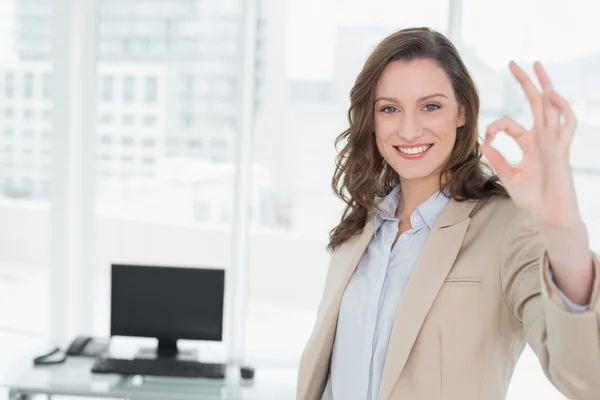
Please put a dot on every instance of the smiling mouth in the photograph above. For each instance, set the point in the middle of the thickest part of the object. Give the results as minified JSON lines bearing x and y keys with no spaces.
{"x":413,"y":151}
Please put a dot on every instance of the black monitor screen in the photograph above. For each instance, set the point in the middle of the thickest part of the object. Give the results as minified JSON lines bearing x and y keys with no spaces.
{"x":167,"y":302}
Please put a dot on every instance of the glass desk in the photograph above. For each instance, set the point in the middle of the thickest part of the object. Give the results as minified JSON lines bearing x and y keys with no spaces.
{"x":73,"y":378}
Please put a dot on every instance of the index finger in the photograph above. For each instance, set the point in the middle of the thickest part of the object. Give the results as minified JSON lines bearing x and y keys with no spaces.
{"x":542,"y":76}
{"x":507,"y":125}
{"x":534,"y":97}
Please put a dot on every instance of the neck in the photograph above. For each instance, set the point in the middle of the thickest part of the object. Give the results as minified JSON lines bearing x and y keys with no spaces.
{"x":413,"y":193}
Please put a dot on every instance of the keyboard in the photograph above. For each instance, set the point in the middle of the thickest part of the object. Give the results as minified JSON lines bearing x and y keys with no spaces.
{"x":159,"y":367}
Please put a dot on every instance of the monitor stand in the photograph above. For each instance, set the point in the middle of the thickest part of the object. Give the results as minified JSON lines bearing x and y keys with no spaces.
{"x":167,"y":349}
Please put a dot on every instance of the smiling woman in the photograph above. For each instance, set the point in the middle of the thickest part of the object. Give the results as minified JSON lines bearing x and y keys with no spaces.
{"x":420,"y":120}
{"x":443,"y":269}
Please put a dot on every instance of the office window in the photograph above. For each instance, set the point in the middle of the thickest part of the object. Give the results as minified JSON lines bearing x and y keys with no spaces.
{"x":187,"y":83}
{"x":28,"y":86}
{"x":151,"y":90}
{"x":150,"y":192}
{"x":36,"y":8}
{"x":45,"y":189}
{"x":223,"y":89}
{"x":219,"y":145}
{"x":150,"y":120}
{"x":111,"y":47}
{"x":9,"y":113}
{"x":173,"y":141}
{"x":9,"y":85}
{"x":128,"y":89}
{"x":139,"y":46}
{"x":158,"y":47}
{"x":27,"y":185}
{"x":47,"y":86}
{"x":228,"y":48}
{"x":106,"y":119}
{"x":107,"y":88}
{"x":187,"y":96}
{"x":158,"y":7}
{"x":116,"y":9}
{"x":106,"y":139}
{"x":127,"y":120}
{"x":27,"y":114}
{"x":185,"y":46}
{"x":201,"y":211}
{"x":223,"y":107}
{"x":202,"y":86}
{"x":188,"y":120}
{"x":195,"y":144}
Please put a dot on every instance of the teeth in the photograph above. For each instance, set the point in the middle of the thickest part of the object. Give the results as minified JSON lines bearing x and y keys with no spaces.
{"x":413,"y":150}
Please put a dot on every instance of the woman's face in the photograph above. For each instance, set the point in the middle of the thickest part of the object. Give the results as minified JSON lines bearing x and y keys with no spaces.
{"x":416,"y":116}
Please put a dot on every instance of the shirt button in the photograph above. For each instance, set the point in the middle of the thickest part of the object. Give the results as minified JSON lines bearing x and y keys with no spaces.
{"x":404,"y":236}
{"x":417,"y":218}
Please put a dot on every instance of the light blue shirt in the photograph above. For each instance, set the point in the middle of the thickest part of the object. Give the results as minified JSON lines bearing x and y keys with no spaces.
{"x":369,"y":302}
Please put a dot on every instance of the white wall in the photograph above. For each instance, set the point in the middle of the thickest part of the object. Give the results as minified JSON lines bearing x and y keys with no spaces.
{"x":286,"y":269}
{"x":24,"y":234}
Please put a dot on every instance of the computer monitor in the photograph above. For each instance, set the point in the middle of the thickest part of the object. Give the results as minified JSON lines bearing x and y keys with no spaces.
{"x":167,"y":303}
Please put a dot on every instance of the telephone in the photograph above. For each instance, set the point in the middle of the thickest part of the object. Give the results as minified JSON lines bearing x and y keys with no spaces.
{"x":80,"y":346}
{"x":87,"y":346}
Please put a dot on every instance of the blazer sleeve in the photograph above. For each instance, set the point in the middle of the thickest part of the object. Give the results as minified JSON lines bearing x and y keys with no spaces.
{"x":566,"y":343}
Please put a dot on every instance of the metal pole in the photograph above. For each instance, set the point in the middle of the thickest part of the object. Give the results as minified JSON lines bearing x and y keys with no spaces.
{"x":455,"y":22}
{"x":86,"y":23}
{"x":72,"y":192}
{"x":236,"y":277}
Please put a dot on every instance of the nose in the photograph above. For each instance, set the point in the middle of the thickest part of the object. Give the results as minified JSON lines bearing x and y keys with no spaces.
{"x":411,"y":127}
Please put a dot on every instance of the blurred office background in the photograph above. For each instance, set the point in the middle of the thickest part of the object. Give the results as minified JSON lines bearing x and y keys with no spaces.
{"x":119,"y":142}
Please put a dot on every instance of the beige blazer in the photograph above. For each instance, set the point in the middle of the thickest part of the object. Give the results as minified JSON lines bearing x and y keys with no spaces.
{"x":477,"y":296}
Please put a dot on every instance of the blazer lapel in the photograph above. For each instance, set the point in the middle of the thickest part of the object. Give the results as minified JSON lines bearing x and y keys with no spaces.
{"x":436,"y":261}
{"x":314,"y":365}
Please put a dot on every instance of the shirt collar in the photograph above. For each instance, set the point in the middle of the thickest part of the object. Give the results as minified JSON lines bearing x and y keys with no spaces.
{"x":429,"y":210}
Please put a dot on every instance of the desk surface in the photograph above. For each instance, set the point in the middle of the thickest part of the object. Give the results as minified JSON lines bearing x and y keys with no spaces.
{"x":73,"y":378}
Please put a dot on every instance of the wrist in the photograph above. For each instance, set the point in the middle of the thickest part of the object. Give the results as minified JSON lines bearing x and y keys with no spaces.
{"x":573,"y":227}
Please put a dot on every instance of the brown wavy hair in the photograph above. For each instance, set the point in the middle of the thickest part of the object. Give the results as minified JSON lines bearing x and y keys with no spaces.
{"x":362,"y":177}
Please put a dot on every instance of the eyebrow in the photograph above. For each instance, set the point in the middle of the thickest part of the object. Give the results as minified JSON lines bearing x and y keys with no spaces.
{"x":395,"y":100}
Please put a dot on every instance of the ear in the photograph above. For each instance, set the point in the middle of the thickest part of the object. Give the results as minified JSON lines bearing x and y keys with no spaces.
{"x":462,"y":116}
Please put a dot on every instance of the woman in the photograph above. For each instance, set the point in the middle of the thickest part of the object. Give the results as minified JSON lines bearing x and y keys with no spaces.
{"x":441,"y":272}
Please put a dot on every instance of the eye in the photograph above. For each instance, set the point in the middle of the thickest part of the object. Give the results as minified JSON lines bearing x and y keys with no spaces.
{"x":389,"y":109}
{"x":432,"y":107}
